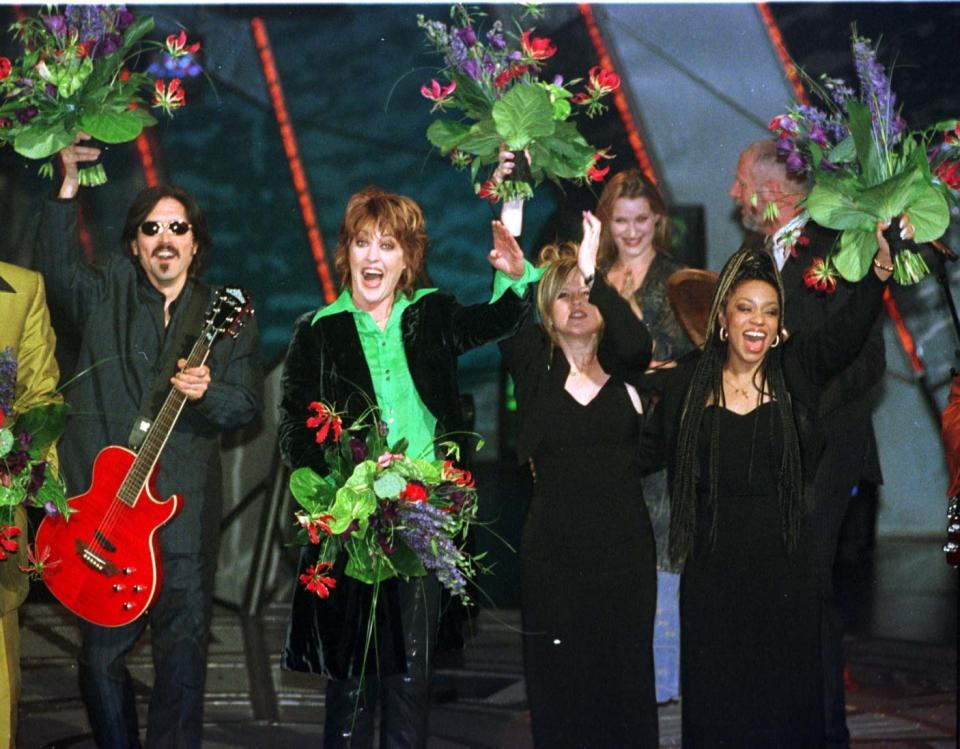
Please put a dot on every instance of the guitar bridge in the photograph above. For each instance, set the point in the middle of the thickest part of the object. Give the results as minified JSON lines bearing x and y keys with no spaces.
{"x":94,"y":560}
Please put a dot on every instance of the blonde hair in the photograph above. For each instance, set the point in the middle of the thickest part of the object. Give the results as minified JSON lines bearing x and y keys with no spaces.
{"x":396,"y":215}
{"x":630,"y":185}
{"x":560,"y":261}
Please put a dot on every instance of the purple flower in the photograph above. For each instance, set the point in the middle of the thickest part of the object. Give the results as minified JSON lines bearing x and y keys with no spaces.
{"x":26,"y":114}
{"x":110,"y":44}
{"x":515,"y":55}
{"x":51,"y":509}
{"x":16,"y":461}
{"x":51,"y":90}
{"x":495,"y":36}
{"x":36,"y":478}
{"x":466,"y":35}
{"x":427,"y":530}
{"x":818,"y":136}
{"x":558,"y":80}
{"x":472,"y":68}
{"x":358,"y":449}
{"x":795,"y":162}
{"x":785,"y":147}
{"x":57,"y":25}
{"x":123,"y":18}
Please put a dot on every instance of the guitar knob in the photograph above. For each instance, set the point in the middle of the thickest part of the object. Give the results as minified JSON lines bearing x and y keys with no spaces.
{"x":138,"y":588}
{"x":127,"y":606}
{"x":129,"y":570}
{"x":117,"y":587}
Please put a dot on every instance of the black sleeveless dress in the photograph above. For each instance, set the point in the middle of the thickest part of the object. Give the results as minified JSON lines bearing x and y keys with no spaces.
{"x":588,"y":579}
{"x":749,"y":611}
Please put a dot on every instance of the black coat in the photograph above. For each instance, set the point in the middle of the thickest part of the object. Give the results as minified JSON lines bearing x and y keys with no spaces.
{"x":325,"y":362}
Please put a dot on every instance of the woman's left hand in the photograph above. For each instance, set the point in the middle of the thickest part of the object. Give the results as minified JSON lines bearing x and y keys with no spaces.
{"x":506,"y":255}
{"x":589,"y":245}
{"x":884,"y":258}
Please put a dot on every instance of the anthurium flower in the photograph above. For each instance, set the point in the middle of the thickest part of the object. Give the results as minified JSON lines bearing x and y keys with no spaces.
{"x":438,"y":94}
{"x":537,"y":47}
{"x":169,"y":96}
{"x":5,"y":67}
{"x":317,"y":581}
{"x":386,"y":459}
{"x":177,"y":45}
{"x":324,"y":420}
{"x":820,"y":276}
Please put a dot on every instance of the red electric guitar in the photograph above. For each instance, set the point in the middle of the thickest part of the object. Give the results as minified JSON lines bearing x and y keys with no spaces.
{"x":110,"y":569}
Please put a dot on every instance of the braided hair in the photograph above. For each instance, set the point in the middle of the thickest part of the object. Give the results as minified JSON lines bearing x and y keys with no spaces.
{"x":689,"y":508}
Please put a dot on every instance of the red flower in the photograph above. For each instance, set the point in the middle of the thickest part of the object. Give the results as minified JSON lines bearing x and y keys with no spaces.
{"x":581,"y":98}
{"x":603,"y":81}
{"x":323,"y":421}
{"x":459,"y":476}
{"x":950,"y":136}
{"x":316,"y":581}
{"x":514,"y":71}
{"x":949,"y":174}
{"x":597,"y":174}
{"x":783,"y":125}
{"x":83,"y":49}
{"x":538,"y":47}
{"x":8,"y":542}
{"x":5,"y":67}
{"x":820,"y":276}
{"x":439,"y":95}
{"x":488,"y":191}
{"x":169,"y":97}
{"x":414,"y":492}
{"x":314,"y":525}
{"x":37,"y":563}
{"x":177,"y":45}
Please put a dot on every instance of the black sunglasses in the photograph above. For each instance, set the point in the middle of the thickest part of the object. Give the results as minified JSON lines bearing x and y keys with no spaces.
{"x":151,"y":228}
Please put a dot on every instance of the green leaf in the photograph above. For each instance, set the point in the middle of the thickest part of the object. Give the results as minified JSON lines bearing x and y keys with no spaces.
{"x":146,"y":119}
{"x":446,"y":134}
{"x":523,"y":115}
{"x":112,"y":127}
{"x":53,"y":490}
{"x":470,"y":97}
{"x":483,"y":141}
{"x":862,"y":132}
{"x":833,"y":203}
{"x":843,"y":152}
{"x":39,"y":142}
{"x":857,"y":249}
{"x":352,"y":504}
{"x":138,"y":29}
{"x":405,"y":560}
{"x":929,"y":215}
{"x":311,"y":491}
{"x":891,"y":196}
{"x":45,"y":424}
{"x":389,"y":486}
{"x":6,"y":441}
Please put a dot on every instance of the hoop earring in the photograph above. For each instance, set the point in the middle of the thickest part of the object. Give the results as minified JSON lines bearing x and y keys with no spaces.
{"x":776,"y":341}
{"x":723,"y":334}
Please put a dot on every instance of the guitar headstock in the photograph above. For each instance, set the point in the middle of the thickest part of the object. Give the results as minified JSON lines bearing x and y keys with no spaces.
{"x":227,"y":313}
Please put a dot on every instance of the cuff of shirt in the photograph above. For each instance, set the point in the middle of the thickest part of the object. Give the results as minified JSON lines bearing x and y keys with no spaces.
{"x":503,"y":283}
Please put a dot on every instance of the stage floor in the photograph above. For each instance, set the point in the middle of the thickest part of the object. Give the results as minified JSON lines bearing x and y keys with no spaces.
{"x":901,"y":611}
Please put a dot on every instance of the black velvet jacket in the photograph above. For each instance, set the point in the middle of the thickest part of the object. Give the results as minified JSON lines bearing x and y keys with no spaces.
{"x":325,"y":362}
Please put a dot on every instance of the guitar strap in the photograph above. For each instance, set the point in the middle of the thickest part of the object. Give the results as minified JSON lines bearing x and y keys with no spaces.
{"x":180,"y":339}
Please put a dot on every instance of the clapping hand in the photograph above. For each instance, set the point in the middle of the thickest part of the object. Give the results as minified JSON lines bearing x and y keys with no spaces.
{"x":589,"y":245}
{"x":72,"y":156}
{"x":506,"y":255}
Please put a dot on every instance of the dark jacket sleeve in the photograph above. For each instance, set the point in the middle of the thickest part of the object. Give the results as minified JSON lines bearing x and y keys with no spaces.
{"x":822,"y":353}
{"x":473,"y":325}
{"x":301,"y":383}
{"x":626,"y":346}
{"x":75,"y":285}
{"x":234,"y":397}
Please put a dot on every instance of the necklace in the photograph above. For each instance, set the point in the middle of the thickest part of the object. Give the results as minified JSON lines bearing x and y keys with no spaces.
{"x":736,"y":389}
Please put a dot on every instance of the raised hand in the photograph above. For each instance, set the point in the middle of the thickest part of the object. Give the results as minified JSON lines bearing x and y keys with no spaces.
{"x":72,"y":156}
{"x":589,"y":245}
{"x":883,"y":260}
{"x":506,"y":255}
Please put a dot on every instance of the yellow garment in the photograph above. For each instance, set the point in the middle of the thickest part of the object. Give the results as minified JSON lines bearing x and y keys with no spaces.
{"x":24,"y":326}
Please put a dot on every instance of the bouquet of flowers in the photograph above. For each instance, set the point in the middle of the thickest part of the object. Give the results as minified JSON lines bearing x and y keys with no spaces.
{"x":497,"y":88}
{"x":26,"y":438}
{"x":392,"y":514}
{"x":868,"y":167}
{"x":74,"y":76}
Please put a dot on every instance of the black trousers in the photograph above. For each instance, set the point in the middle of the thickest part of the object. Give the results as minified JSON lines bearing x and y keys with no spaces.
{"x":179,"y":631}
{"x":404,"y":699}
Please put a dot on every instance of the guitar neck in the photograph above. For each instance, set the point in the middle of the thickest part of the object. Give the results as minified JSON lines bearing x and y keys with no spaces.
{"x":160,"y":431}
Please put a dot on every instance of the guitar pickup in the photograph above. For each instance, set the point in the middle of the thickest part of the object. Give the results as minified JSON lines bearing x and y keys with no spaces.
{"x":104,"y":542}
{"x":94,"y":560}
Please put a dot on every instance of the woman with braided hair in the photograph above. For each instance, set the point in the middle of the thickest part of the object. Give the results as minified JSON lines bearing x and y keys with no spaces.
{"x":735,"y":427}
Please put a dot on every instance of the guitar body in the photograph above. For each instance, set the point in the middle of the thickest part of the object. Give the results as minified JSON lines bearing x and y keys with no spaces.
{"x":109,"y":571}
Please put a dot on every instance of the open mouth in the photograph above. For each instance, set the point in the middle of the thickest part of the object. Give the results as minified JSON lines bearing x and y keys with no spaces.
{"x":165,"y":253}
{"x":371,"y":276}
{"x":754,"y":340}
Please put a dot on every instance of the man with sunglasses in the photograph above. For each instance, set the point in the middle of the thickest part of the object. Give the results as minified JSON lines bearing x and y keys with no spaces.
{"x":129,"y":308}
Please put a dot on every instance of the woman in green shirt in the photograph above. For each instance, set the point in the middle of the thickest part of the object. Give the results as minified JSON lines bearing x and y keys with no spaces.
{"x":388,"y":340}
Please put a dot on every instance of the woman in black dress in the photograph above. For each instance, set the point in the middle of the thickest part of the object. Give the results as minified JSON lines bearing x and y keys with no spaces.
{"x":587,"y":552}
{"x":735,"y":428}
